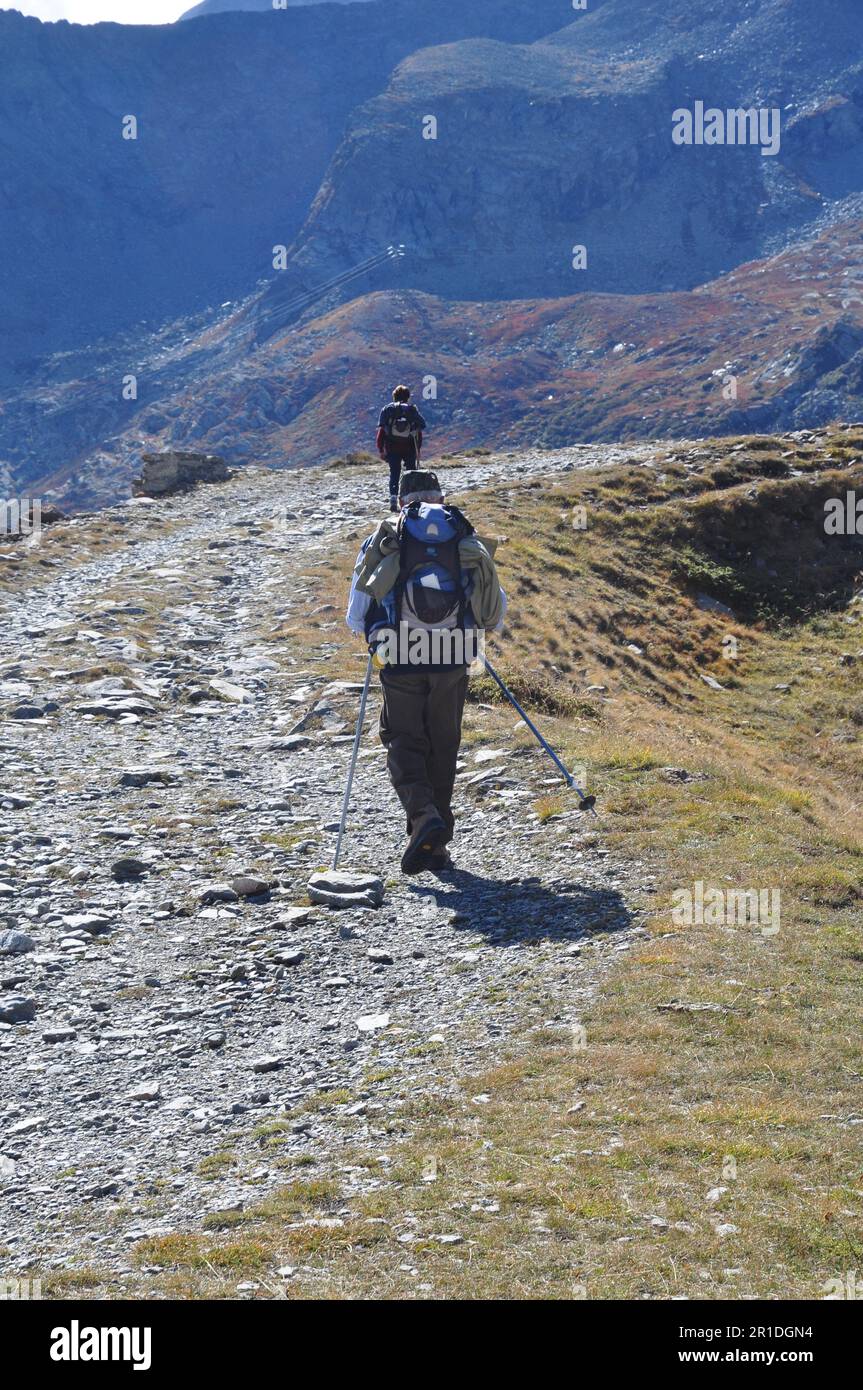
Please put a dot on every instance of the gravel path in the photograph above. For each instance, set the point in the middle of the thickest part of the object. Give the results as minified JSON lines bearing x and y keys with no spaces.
{"x":154,"y":1020}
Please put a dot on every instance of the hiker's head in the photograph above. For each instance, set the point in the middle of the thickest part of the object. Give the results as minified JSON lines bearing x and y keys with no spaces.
{"x":417,"y":485}
{"x":402,"y":394}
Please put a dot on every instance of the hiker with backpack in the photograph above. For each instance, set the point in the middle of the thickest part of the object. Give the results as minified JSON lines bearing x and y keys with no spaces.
{"x":399,"y":438}
{"x":424,"y":591}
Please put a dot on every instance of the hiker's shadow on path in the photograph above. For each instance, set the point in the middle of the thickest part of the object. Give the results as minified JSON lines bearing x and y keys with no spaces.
{"x":528,"y":909}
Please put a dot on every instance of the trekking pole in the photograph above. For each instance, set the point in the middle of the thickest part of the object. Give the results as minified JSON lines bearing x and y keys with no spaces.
{"x":585,"y":803}
{"x":356,"y":750}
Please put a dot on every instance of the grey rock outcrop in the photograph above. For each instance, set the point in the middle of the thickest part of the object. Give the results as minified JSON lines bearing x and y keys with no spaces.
{"x":176,"y":470}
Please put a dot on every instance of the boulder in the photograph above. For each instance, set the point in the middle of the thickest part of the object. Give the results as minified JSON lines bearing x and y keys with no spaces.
{"x":127,"y":870}
{"x":15,"y":943}
{"x":248,"y":886}
{"x":116,"y":708}
{"x":12,"y":801}
{"x":713,"y":605}
{"x":226,"y":690}
{"x":217,"y":893}
{"x":27,"y":712}
{"x":16,"y":1008}
{"x":143,"y":776}
{"x":177,"y":470}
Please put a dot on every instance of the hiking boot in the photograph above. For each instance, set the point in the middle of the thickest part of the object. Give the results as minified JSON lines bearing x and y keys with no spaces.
{"x":439,"y":862}
{"x":428,"y":836}
{"x":394,"y":504}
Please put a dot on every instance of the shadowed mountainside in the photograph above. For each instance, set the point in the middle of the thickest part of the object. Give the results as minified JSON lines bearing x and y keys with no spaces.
{"x":567,"y":141}
{"x":237,"y":118}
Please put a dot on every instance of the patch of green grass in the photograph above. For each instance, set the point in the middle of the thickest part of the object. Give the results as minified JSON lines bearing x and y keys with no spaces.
{"x":628,"y":757}
{"x":217,"y":1164}
{"x":289,"y":839}
{"x":66,"y":1283}
{"x":828,"y":884}
{"x":224,"y":1220}
{"x":535,"y":692}
{"x":326,"y":1100}
{"x":720,"y":581}
{"x":300,"y":1196}
{"x":268,"y":1128}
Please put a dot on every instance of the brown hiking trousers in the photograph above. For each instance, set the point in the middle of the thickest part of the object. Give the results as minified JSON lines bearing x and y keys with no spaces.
{"x":421,"y":730}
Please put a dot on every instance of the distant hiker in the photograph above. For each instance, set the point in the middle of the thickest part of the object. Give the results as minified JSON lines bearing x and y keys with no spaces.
{"x":424,"y":592}
{"x":399,"y":438}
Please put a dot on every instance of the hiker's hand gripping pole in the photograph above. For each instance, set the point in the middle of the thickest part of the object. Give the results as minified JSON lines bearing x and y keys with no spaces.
{"x":585,"y":802}
{"x":356,"y":749}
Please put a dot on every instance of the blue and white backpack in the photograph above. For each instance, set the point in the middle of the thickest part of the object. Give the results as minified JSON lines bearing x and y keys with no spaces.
{"x":430,"y":591}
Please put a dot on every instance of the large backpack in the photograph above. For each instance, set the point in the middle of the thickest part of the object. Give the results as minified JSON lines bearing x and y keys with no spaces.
{"x":430,"y":585}
{"x":401,"y":421}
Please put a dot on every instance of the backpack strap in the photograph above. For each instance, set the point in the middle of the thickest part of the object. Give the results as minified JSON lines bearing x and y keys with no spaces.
{"x":413,"y":511}
{"x":399,"y":587}
{"x":459,"y":520}
{"x":463,"y":529}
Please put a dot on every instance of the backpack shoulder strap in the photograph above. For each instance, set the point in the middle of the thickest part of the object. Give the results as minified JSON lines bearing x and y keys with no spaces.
{"x":412,"y":511}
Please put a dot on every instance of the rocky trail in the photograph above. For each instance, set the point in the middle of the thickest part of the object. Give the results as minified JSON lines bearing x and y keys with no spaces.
{"x":167,"y":992}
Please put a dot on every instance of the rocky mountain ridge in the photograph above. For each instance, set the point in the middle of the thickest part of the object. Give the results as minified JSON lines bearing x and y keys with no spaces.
{"x":774,"y":345}
{"x":220,"y":6}
{"x":567,"y":141}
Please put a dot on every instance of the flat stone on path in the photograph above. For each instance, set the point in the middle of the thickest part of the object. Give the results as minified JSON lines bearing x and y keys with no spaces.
{"x":288,"y":957}
{"x":372,"y":1023}
{"x":265,"y":1064}
{"x":226,"y":690}
{"x":148,"y":1090}
{"x":339,"y":888}
{"x":14,"y":802}
{"x":379,"y":956}
{"x":295,"y":916}
{"x":125,"y":870}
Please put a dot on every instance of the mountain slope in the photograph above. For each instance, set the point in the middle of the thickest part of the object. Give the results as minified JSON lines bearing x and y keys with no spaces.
{"x":261,"y":129}
{"x":238,"y":116}
{"x":548,"y":138}
{"x":776,"y":344}
{"x":567,"y":141}
{"x":220,"y":6}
